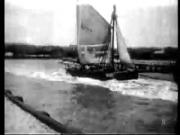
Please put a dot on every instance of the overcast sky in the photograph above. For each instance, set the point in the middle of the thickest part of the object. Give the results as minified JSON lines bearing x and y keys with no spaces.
{"x":144,"y":23}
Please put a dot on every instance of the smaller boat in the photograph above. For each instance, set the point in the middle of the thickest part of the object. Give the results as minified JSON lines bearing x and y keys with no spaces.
{"x":96,"y":48}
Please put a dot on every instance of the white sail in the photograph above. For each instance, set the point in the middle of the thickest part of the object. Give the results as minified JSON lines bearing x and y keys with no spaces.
{"x":93,"y":36}
{"x":122,"y":48}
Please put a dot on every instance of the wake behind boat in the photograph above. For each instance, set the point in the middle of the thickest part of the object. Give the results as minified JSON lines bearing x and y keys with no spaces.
{"x":96,"y":48}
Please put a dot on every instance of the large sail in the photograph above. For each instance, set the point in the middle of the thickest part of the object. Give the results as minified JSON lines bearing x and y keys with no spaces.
{"x":93,"y":36}
{"x":122,"y":48}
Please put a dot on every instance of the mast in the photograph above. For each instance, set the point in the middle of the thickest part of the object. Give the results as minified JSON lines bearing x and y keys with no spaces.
{"x":77,"y":22}
{"x":112,"y":49}
{"x":77,"y":29}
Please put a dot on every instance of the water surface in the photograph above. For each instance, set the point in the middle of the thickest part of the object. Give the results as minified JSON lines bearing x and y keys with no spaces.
{"x":94,"y":106}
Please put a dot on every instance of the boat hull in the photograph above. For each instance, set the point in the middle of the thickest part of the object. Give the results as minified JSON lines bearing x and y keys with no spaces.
{"x":101,"y":75}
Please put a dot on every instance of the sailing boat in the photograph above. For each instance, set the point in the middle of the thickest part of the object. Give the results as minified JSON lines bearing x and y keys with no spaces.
{"x":96,"y":47}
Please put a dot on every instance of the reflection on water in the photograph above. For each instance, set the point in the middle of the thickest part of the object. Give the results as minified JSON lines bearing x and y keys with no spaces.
{"x":96,"y":107}
{"x":102,"y":110}
{"x":93,"y":97}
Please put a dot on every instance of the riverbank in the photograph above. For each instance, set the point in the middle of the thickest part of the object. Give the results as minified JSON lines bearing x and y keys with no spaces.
{"x":18,"y":121}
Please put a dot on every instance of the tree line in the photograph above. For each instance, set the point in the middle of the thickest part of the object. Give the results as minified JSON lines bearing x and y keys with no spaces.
{"x":35,"y":51}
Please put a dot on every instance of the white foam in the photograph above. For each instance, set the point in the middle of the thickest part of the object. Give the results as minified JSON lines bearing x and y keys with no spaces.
{"x":142,"y":87}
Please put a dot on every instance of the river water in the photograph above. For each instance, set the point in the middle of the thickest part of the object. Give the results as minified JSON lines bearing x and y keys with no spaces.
{"x":132,"y":106}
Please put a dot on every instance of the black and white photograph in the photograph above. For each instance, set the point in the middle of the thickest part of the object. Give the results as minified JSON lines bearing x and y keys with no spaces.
{"x":90,"y":66}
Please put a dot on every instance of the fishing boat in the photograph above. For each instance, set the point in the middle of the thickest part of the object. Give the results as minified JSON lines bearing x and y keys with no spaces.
{"x":101,"y":48}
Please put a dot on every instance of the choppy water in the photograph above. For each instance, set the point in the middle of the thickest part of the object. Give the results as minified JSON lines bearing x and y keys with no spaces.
{"x":52,"y":70}
{"x":131,"y":106}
